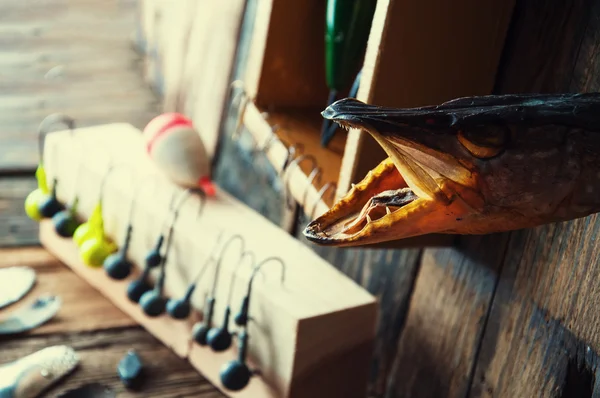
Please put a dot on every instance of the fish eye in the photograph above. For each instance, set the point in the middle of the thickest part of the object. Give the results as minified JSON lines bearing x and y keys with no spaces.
{"x":484,"y":142}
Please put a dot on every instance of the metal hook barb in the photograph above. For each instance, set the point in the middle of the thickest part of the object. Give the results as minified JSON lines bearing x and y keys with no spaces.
{"x":296,"y":162}
{"x":175,"y":214}
{"x":234,"y":273}
{"x":314,"y":174}
{"x":259,"y":266}
{"x":320,"y":195}
{"x":235,"y":86}
{"x":292,"y":151}
{"x":220,"y":259}
{"x":243,"y":315}
{"x":46,"y":124}
{"x":268,"y":142}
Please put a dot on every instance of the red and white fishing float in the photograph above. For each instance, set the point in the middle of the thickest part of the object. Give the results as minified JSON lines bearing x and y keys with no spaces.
{"x":176,"y":148}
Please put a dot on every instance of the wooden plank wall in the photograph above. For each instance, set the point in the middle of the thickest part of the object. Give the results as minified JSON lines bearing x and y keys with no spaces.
{"x":542,"y":338}
{"x":510,"y":315}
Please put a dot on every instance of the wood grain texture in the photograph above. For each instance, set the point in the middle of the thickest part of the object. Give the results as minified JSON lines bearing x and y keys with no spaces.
{"x":100,"y":351}
{"x":16,"y":228}
{"x":407,"y":65}
{"x":542,"y":46}
{"x":387,"y":274}
{"x":191,"y":48}
{"x":542,"y":339}
{"x":262,"y":190}
{"x":80,"y":301}
{"x":313,"y":293}
{"x":98,"y":331}
{"x":67,"y":56}
{"x":286,"y":64}
{"x":447,"y":315}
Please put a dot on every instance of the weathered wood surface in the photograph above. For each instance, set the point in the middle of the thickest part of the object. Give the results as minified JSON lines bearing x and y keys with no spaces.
{"x":99,"y":332}
{"x":542,"y":338}
{"x":387,"y":274}
{"x":79,"y":299}
{"x":16,"y":229}
{"x":262,"y":190}
{"x":67,"y":56}
{"x":446,"y":318}
{"x":509,"y":315}
{"x":191,"y":47}
{"x":505,"y":315}
{"x":100,"y":351}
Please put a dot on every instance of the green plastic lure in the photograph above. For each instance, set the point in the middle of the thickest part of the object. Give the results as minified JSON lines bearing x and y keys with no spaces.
{"x":347,"y":28}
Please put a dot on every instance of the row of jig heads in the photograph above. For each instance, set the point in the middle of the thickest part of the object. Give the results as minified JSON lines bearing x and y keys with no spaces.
{"x":97,"y":250}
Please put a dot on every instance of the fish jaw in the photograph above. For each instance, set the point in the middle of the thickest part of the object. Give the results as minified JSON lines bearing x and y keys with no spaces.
{"x":357,"y":219}
{"x":476,"y":165}
{"x":443,"y":190}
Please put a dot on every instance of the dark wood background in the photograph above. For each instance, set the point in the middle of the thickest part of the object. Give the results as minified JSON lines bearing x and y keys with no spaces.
{"x":505,"y":315}
{"x":510,"y":315}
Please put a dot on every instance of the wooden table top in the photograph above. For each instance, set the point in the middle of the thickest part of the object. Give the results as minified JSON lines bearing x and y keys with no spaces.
{"x":99,"y":332}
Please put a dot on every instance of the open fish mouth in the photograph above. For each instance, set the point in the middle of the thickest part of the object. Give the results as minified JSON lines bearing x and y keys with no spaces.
{"x":415,"y":191}
{"x":472,"y":165}
{"x":382,"y":207}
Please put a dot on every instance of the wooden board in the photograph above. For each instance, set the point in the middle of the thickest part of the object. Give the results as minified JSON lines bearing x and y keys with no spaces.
{"x":95,"y":75}
{"x":448,"y":312}
{"x":79,"y":299}
{"x":286,"y":64}
{"x":167,"y":375}
{"x":16,"y":229}
{"x":387,"y":274}
{"x":284,"y":316}
{"x":101,"y":342}
{"x":406,"y":65}
{"x":539,"y":339}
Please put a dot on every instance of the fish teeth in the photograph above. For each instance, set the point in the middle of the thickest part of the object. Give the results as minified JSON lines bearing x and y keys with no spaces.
{"x":387,"y":210}
{"x":369,"y":219}
{"x":347,"y":128}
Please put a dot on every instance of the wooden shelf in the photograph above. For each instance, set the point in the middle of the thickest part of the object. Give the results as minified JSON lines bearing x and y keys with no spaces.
{"x":297,"y":126}
{"x":414,"y":57}
{"x":299,"y":338}
{"x":300,"y":126}
{"x":304,"y":126}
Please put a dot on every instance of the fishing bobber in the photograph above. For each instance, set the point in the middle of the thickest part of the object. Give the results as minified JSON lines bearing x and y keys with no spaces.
{"x":177,"y":149}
